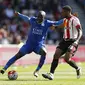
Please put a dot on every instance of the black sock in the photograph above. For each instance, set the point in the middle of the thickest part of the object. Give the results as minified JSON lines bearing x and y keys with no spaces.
{"x":73,"y":64}
{"x":54,"y":64}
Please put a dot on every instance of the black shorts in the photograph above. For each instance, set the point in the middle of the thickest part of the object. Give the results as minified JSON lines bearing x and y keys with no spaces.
{"x":64,"y":45}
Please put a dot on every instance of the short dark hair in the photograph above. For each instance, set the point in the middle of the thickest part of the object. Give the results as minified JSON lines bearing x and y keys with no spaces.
{"x":67,"y":8}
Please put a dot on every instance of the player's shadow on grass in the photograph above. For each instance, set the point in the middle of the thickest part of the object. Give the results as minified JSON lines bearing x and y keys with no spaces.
{"x":24,"y":80}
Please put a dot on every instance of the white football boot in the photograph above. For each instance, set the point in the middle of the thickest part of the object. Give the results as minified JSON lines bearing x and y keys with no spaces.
{"x":49,"y":76}
{"x":35,"y":74}
{"x":78,"y":71}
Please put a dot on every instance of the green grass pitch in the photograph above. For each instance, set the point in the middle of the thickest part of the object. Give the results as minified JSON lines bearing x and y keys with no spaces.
{"x":64,"y":75}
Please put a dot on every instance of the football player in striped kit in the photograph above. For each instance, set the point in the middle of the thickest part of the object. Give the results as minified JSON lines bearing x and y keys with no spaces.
{"x":68,"y":46}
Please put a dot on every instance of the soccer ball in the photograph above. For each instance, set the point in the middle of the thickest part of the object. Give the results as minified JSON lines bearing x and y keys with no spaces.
{"x":12,"y":75}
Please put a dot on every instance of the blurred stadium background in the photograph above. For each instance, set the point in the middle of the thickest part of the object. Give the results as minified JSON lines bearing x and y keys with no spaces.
{"x":13,"y":31}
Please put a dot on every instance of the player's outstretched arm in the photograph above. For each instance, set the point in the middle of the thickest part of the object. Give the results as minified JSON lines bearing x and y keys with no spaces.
{"x":54,"y":27}
{"x":24,"y":17}
{"x":58,"y":24}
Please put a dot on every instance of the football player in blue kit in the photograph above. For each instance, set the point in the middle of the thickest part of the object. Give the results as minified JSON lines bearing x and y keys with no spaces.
{"x":36,"y":37}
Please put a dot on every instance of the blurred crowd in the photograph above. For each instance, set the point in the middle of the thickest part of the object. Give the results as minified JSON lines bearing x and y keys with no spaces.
{"x":14,"y":30}
{"x":82,"y":3}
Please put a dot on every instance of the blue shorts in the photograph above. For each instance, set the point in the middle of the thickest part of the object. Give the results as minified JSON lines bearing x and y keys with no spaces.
{"x":28,"y":48}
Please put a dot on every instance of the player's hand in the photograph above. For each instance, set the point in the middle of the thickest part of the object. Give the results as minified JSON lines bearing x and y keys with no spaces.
{"x":16,"y":13}
{"x":60,"y":26}
{"x":52,"y":27}
{"x":75,"y":44}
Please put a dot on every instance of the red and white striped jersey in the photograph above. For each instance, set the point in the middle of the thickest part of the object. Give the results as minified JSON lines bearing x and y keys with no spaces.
{"x":70,"y":27}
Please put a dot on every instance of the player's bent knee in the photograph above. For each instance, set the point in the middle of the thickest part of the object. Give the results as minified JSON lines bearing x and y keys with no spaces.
{"x":67,"y":59}
{"x":67,"y":56}
{"x":57,"y":55}
{"x":44,"y":53}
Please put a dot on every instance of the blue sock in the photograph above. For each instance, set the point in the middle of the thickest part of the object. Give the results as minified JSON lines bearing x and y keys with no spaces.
{"x":41,"y":62}
{"x":10,"y":62}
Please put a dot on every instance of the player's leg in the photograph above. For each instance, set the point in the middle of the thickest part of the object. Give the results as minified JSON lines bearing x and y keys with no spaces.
{"x":41,"y":51}
{"x":59,"y":51}
{"x":56,"y":57}
{"x":11,"y":61}
{"x":20,"y":54}
{"x":67,"y":57}
{"x":54,"y":65}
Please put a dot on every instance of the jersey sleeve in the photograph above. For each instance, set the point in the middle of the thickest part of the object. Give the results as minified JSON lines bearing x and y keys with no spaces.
{"x":50,"y":23}
{"x":59,"y":22}
{"x":77,"y":23}
{"x":24,"y":17}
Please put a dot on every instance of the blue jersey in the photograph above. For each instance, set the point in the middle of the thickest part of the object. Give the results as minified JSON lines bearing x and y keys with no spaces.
{"x":38,"y":31}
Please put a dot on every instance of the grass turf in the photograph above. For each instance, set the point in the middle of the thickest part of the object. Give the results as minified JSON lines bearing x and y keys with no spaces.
{"x":64,"y":75}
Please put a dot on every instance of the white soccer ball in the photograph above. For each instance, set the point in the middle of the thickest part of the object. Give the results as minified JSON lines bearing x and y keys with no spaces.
{"x":12,"y":75}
